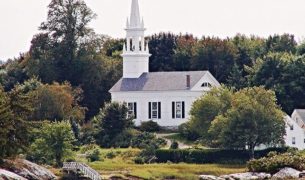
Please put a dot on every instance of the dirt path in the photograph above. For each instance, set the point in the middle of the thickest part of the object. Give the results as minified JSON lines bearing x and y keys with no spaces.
{"x":169,"y":141}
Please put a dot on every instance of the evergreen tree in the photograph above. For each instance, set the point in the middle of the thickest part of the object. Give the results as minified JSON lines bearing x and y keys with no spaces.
{"x":6,"y":124}
{"x":110,"y":122}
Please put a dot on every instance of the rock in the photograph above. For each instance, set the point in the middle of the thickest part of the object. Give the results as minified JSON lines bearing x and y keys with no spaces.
{"x":208,"y":177}
{"x":4,"y":174}
{"x":286,"y":173}
{"x":29,"y":170}
{"x":226,"y":177}
{"x":247,"y":175}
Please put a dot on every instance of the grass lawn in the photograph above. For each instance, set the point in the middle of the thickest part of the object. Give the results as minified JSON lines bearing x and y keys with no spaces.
{"x":122,"y":165}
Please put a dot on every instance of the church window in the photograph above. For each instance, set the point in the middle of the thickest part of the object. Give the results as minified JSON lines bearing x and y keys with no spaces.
{"x":291,"y":127}
{"x":206,"y":84}
{"x":293,"y":140}
{"x":154,"y":110}
{"x":178,"y":110}
{"x":132,"y":110}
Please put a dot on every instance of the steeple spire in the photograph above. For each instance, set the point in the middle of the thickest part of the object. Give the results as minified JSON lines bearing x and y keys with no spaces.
{"x":135,"y":18}
{"x":135,"y":52}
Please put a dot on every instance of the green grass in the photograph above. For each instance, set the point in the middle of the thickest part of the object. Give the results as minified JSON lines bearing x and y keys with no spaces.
{"x":123,"y":165}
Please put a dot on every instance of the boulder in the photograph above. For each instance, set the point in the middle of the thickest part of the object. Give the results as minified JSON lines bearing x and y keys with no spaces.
{"x":4,"y":174}
{"x":247,"y":175}
{"x":29,"y":170}
{"x":208,"y":177}
{"x":286,"y":173}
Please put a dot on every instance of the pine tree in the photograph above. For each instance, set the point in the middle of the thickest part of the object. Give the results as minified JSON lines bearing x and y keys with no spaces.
{"x":6,"y":125}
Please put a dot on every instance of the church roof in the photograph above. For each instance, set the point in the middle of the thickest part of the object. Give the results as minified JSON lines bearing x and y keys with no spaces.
{"x":301,"y":113}
{"x":158,"y":81}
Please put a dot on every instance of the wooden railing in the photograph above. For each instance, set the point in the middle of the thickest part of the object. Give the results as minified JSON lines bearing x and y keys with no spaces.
{"x":83,"y":168}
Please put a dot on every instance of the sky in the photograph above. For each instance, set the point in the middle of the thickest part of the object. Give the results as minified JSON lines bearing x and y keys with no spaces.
{"x":19,"y":19}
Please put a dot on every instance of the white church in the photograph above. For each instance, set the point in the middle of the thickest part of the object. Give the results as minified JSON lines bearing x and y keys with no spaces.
{"x":167,"y":97}
{"x":164,"y":97}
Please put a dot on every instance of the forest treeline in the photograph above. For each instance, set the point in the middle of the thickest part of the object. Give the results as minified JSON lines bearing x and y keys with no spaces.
{"x":94,"y":65}
{"x":68,"y":57}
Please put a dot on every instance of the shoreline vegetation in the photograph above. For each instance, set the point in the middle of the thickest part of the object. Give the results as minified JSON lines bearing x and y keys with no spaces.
{"x":121,"y":164}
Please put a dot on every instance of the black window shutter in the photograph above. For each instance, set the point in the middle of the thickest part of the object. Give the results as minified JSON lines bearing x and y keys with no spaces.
{"x":173,"y":110}
{"x":149,"y":110}
{"x":135,"y":110}
{"x":183,"y":110}
{"x":159,"y":110}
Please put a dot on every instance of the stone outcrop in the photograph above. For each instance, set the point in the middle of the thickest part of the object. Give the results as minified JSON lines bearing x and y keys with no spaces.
{"x":238,"y":176}
{"x":4,"y":174}
{"x":29,"y":170}
{"x":208,"y":177}
{"x":287,"y":173}
{"x":247,"y":175}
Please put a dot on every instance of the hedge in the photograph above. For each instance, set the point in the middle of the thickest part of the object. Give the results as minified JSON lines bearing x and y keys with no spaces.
{"x":203,"y":156}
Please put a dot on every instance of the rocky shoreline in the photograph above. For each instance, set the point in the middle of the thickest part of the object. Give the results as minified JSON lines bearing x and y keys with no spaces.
{"x":285,"y":173}
{"x":21,"y":169}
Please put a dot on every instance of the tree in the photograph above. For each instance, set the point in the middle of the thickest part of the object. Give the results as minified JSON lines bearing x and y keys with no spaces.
{"x":98,"y":75}
{"x":184,"y":52}
{"x":6,"y":118}
{"x":284,"y":74}
{"x":67,"y":23}
{"x":281,"y":43}
{"x":216,"y":55}
{"x":301,"y":48}
{"x":57,"y":102}
{"x":253,"y":119}
{"x":53,"y":144}
{"x":206,"y":108}
{"x":162,"y":48}
{"x":111,"y":121}
{"x":236,"y":79}
{"x":15,"y":127}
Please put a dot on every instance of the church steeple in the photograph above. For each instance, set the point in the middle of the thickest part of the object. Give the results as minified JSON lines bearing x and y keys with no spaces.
{"x":135,"y":19}
{"x":135,"y":51}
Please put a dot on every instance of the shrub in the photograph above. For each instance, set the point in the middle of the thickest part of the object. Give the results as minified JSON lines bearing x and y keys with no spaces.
{"x":139,"y":160}
{"x":110,"y":155}
{"x":110,"y":122}
{"x":148,"y":154}
{"x":150,"y":126}
{"x":274,"y":162}
{"x":88,"y":147}
{"x":123,"y":139}
{"x":203,"y":156}
{"x":186,"y":132}
{"x":144,"y":139}
{"x":93,"y":155}
{"x":86,"y":135}
{"x":174,"y":145}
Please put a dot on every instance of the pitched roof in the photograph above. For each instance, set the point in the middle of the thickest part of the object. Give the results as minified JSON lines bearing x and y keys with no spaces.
{"x":301,"y":113}
{"x":158,"y":81}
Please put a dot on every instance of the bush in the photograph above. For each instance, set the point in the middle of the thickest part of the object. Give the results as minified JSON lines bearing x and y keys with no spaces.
{"x":88,"y":147}
{"x":150,"y":126}
{"x":123,"y":140}
{"x":203,"y":156}
{"x":144,"y":139}
{"x":139,"y":160}
{"x":174,"y":145}
{"x":274,"y":162}
{"x":93,"y":155}
{"x":186,"y":132}
{"x":110,"y":155}
{"x":148,"y":155}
